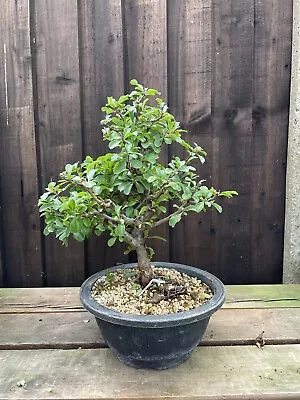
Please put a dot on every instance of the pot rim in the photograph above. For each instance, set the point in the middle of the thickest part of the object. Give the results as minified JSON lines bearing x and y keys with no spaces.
{"x":155,"y":321}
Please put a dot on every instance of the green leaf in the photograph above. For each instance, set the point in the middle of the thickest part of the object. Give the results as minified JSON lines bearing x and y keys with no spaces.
{"x":45,"y":206}
{"x":150,"y":252}
{"x":111,"y":101}
{"x":99,"y":229}
{"x":151,"y":179}
{"x":196,"y":207}
{"x":217,"y":207}
{"x":87,"y":222}
{"x":69,"y":168}
{"x":79,"y":236}
{"x":151,"y":158}
{"x":134,"y":82}
{"x":139,"y":187}
{"x":72,"y":204}
{"x":174,"y":219}
{"x":120,"y":167}
{"x":228,"y":193}
{"x":136,"y":163}
{"x":114,"y":143}
{"x":151,"y":92}
{"x":143,"y":210}
{"x":74,"y":225}
{"x":90,"y":174}
{"x":111,"y":241}
{"x":89,"y":184}
{"x":120,"y":230}
{"x":97,"y":190}
{"x":118,"y":210}
{"x":127,"y":188}
{"x":162,"y":209}
{"x":187,"y":194}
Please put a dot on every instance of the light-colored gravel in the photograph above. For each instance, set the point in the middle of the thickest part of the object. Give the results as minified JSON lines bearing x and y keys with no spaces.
{"x":120,"y":291}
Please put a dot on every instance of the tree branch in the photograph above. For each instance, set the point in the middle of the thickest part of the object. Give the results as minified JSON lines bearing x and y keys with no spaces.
{"x":102,"y":202}
{"x":166,"y":219}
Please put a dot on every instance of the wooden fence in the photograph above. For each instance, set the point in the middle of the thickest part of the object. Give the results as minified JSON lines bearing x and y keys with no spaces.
{"x":224,"y":68}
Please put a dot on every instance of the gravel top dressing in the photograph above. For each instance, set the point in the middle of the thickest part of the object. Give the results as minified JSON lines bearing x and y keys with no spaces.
{"x":170,"y":292}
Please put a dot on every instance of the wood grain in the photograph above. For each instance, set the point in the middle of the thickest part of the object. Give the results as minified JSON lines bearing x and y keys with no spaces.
{"x":240,"y":372}
{"x":70,"y":330}
{"x":232,"y":53}
{"x":272,"y":55}
{"x":145,"y":56}
{"x":101,"y":55}
{"x":18,"y":163}
{"x":224,"y":68}
{"x":36,"y":300}
{"x":59,"y":125}
{"x":189,"y":96}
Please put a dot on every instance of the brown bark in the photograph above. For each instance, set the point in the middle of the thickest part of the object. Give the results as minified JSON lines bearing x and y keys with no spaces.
{"x":144,"y":268}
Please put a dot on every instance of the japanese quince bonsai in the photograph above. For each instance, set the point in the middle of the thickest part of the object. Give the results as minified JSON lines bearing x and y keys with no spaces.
{"x":128,"y":192}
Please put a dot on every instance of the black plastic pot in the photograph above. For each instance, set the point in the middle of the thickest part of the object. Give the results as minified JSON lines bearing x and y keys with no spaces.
{"x":150,"y":341}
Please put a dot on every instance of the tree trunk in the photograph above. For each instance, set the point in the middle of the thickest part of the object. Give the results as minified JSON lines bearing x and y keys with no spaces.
{"x":144,"y":268}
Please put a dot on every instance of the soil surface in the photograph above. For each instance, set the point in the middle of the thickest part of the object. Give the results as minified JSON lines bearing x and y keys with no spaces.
{"x":170,"y":292}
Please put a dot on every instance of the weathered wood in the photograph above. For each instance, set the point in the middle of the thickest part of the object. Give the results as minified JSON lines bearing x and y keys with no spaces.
{"x":272,"y":55}
{"x":240,"y":372}
{"x":18,"y":163}
{"x":227,"y":80}
{"x":70,"y":330}
{"x":101,"y":49}
{"x":58,"y":112}
{"x":36,"y":300}
{"x":145,"y":55}
{"x":2,"y":262}
{"x":189,"y":97}
{"x":232,"y":59}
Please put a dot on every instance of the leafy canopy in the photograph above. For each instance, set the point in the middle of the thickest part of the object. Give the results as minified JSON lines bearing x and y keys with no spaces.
{"x":127,"y":191}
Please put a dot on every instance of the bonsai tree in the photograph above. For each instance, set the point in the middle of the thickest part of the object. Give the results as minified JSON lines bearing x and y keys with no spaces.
{"x":128,"y":190}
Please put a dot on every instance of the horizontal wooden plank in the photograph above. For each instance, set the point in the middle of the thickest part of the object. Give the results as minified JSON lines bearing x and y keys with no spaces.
{"x":260,"y":296}
{"x":72,"y":330}
{"x":240,"y":372}
{"x":31,"y":300}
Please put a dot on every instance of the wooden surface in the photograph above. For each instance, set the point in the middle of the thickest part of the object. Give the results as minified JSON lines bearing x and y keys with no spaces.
{"x":53,"y":346}
{"x":224,"y":69}
{"x":101,"y":46}
{"x":59,"y":124}
{"x":20,"y":223}
{"x":145,"y":56}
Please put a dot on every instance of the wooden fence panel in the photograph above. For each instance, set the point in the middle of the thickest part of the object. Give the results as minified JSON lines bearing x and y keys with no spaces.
{"x":145,"y":27}
{"x":223,"y":66}
{"x":102,"y":75}
{"x":272,"y":55}
{"x":189,"y":71}
{"x":232,"y":51}
{"x":59,"y":122}
{"x":18,"y":166}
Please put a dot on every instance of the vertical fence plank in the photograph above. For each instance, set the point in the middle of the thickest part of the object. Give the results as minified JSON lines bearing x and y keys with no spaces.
{"x":59,"y":124}
{"x":18,"y":167}
{"x":272,"y":46}
{"x":232,"y":52}
{"x":189,"y":70}
{"x":101,"y":49}
{"x":145,"y":27}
